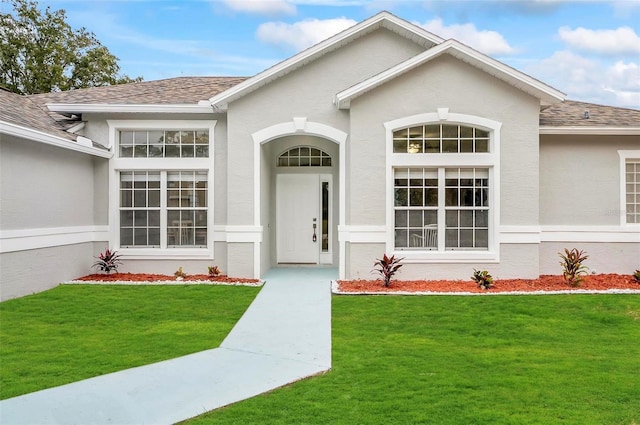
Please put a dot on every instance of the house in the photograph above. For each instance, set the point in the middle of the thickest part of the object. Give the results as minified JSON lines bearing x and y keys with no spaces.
{"x":384,"y":138}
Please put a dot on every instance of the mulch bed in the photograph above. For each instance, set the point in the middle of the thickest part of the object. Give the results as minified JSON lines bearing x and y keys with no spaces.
{"x":150,"y":277}
{"x":547,"y":283}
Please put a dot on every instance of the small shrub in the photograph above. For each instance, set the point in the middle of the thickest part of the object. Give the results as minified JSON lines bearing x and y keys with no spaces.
{"x":107,"y":261}
{"x":387,"y":268}
{"x":636,"y":275}
{"x":482,"y":278}
{"x":180,"y":274}
{"x":213,"y":271}
{"x":572,"y":267}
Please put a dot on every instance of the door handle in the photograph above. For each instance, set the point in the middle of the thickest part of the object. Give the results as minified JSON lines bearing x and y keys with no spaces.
{"x":314,"y":238}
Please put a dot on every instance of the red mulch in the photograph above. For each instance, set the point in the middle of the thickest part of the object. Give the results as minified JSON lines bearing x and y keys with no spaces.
{"x":149,"y":277}
{"x":543,"y":283}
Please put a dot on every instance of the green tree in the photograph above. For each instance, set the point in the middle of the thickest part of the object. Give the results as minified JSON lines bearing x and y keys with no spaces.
{"x":40,"y":53}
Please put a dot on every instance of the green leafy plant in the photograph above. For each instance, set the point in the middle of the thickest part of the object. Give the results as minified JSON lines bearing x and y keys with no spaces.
{"x":636,"y":275}
{"x":108,"y":261}
{"x":482,"y":278}
{"x":179,"y":274}
{"x":572,"y":265}
{"x":387,"y":268}
{"x":213,"y":271}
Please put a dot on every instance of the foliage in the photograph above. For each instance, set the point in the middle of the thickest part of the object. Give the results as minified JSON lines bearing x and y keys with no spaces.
{"x":482,"y":278}
{"x":636,"y":275}
{"x":179,"y":273}
{"x":387,"y":268}
{"x":108,"y":261}
{"x":572,"y":267}
{"x":40,"y":53}
{"x":213,"y":271}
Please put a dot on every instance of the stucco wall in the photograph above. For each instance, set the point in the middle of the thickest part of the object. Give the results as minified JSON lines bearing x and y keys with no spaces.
{"x":580,"y":179}
{"x":446,"y":83}
{"x":28,"y":272}
{"x":44,"y":186}
{"x":305,"y":92}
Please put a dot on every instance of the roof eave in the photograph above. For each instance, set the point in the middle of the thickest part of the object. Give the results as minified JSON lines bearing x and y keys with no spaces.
{"x":547,"y":94}
{"x":49,"y":139}
{"x":385,"y":19}
{"x":585,"y":131}
{"x":81,"y":108}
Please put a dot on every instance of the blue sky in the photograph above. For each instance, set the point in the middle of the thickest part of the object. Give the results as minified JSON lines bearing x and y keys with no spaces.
{"x":587,"y":49}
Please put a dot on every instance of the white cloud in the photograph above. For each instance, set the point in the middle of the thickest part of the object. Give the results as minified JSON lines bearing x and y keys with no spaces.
{"x":302,"y":34}
{"x":590,"y":80}
{"x":262,"y":7}
{"x":488,"y":42}
{"x":622,"y":40}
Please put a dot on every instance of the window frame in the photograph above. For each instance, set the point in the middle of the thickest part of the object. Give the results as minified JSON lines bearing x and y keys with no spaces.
{"x":624,"y":156}
{"x":486,"y":160}
{"x":162,"y":165}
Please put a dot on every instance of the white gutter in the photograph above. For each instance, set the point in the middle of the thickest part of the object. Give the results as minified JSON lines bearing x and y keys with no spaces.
{"x":75,"y":108}
{"x":585,"y":130}
{"x":49,"y":139}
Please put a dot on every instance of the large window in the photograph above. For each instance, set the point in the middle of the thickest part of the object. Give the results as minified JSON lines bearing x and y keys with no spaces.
{"x":161,"y":178}
{"x":453,"y":202}
{"x":163,"y":209}
{"x":440,"y":138}
{"x":164,"y":143}
{"x":632,"y":190}
{"x":443,"y":187}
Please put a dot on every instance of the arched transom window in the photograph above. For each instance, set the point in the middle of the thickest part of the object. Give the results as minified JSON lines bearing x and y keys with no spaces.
{"x":440,"y":138}
{"x":304,"y":156}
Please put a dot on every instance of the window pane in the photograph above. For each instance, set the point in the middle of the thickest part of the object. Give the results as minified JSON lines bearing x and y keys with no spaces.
{"x":126,"y":218}
{"x":126,"y":236}
{"x":482,"y":146}
{"x":449,"y":131}
{"x":401,"y":239}
{"x":401,"y":218}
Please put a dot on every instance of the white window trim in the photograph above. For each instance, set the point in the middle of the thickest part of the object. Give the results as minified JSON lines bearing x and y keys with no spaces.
{"x":624,"y":156}
{"x":490,"y":160}
{"x":160,"y":164}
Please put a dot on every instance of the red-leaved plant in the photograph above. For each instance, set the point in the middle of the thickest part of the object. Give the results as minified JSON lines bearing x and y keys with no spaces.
{"x":387,"y":268}
{"x":572,"y":267}
{"x":107,"y":261}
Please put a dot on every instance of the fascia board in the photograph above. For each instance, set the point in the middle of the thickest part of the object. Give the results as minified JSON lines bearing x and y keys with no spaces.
{"x":48,"y":139}
{"x":596,"y":131}
{"x":389,"y":21}
{"x":80,"y":108}
{"x":516,"y":78}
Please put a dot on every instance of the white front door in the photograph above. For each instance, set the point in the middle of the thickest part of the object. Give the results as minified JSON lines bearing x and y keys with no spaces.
{"x":298,"y":218}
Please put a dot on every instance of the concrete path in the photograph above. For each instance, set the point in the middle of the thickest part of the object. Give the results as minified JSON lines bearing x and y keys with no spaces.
{"x":283,"y":337}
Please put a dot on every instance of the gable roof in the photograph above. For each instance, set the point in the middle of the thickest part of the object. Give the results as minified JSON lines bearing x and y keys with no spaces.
{"x":547,"y":94}
{"x":572,"y":117}
{"x":381,"y":20}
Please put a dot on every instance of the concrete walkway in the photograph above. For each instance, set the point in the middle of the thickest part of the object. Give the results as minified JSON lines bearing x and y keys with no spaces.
{"x":283,"y":337}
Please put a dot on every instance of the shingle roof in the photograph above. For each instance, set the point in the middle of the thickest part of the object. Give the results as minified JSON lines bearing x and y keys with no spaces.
{"x":180,"y":90}
{"x":572,"y":114}
{"x":21,"y":110}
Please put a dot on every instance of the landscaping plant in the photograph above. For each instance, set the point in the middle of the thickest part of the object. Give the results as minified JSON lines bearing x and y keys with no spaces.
{"x":636,"y":275}
{"x":213,"y":271}
{"x":180,"y":274}
{"x":572,"y":265}
{"x":387,"y":268}
{"x":482,"y":278}
{"x":107,"y":261}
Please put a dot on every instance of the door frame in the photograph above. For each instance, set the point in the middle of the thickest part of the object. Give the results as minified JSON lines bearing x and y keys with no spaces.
{"x":298,"y":125}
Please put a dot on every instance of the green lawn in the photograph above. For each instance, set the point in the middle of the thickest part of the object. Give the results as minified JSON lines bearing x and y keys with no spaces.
{"x":75,"y":332}
{"x":467,"y":360}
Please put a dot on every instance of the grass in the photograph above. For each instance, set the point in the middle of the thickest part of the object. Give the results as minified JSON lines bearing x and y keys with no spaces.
{"x":76,"y":332}
{"x":571,"y":359}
